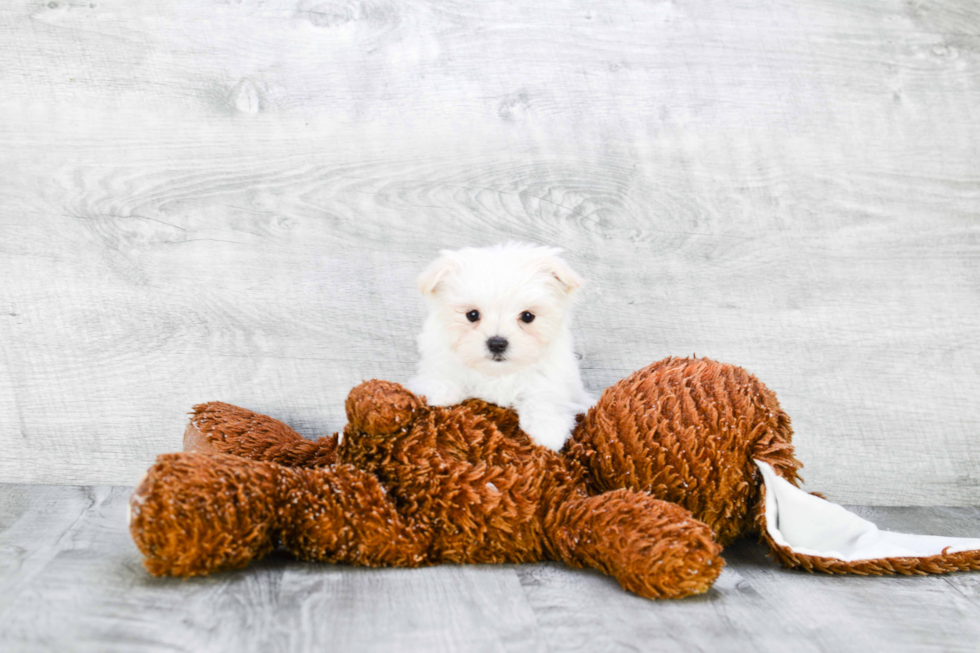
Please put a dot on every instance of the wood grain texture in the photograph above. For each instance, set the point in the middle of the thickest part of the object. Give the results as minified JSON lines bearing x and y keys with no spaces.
{"x":75,"y":582}
{"x":211,"y":200}
{"x":758,"y":606}
{"x":71,"y":580}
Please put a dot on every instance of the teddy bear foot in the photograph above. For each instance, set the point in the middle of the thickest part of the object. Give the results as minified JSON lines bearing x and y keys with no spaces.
{"x":194,"y":514}
{"x":653,"y":548}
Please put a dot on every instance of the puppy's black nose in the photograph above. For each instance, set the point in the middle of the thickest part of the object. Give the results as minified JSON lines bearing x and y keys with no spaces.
{"x":497,"y":345}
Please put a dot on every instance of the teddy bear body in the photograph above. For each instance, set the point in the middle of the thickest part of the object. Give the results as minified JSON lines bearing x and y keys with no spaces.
{"x":407,"y":485}
{"x":663,"y":471}
{"x":468,"y":478}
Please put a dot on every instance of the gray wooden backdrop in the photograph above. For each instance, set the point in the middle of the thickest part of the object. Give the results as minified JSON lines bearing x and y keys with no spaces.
{"x":231,"y":200}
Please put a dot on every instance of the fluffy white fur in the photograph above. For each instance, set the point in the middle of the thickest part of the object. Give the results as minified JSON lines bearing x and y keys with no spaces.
{"x":537,"y":373}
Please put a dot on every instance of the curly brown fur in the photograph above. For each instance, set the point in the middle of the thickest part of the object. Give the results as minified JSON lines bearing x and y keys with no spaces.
{"x":686,"y":430}
{"x":411,"y":484}
{"x":217,"y":427}
{"x":653,"y":548}
{"x":194,"y":514}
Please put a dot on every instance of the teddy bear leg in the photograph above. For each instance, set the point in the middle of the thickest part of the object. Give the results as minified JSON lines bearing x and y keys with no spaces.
{"x":217,"y":427}
{"x":195,"y":514}
{"x":653,"y":548}
{"x":344,"y":514}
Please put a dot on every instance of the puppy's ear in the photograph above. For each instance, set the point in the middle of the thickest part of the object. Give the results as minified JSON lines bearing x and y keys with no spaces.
{"x":556,"y":266}
{"x":438,"y":270}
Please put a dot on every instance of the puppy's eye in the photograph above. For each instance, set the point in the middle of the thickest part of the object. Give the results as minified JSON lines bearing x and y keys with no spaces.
{"x":473,"y":316}
{"x":527,"y":317}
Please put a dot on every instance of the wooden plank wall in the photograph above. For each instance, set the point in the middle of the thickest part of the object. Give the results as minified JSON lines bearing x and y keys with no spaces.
{"x":230,"y":200}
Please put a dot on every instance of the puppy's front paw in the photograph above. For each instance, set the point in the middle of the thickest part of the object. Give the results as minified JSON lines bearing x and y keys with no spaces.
{"x":546,"y":428}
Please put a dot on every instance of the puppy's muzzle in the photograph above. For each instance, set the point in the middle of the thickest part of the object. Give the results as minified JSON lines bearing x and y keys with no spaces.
{"x":497,"y":347}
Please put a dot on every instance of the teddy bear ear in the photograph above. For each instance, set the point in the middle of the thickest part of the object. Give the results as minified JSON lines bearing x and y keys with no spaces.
{"x":444,"y":266}
{"x":556,"y":266}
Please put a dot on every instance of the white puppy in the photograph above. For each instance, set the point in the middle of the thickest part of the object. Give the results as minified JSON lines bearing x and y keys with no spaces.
{"x":498,"y":330}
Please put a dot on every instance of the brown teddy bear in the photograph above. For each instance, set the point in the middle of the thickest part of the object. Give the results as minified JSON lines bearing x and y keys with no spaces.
{"x":669,"y":466}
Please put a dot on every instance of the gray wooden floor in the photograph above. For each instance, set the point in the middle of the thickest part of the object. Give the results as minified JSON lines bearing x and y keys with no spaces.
{"x":71,"y":579}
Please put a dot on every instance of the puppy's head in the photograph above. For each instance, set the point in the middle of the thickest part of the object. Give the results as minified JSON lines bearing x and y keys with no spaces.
{"x":499,"y":308}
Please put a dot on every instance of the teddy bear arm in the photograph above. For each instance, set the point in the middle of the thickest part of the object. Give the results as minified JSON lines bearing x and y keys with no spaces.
{"x":217,"y":427}
{"x":653,"y":548}
{"x":381,"y":407}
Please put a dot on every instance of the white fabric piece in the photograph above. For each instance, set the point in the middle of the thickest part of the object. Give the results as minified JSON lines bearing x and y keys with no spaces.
{"x":813,"y":526}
